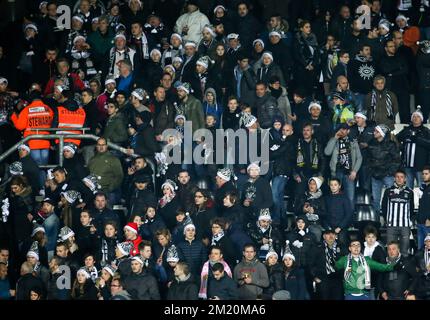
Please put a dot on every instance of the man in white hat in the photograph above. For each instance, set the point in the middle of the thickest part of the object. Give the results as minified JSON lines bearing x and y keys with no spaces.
{"x":384,"y":160}
{"x":109,"y":93}
{"x":119,"y":52}
{"x":208,"y":43}
{"x":362,"y":131}
{"x":414,"y":140}
{"x":30,"y":169}
{"x":256,"y":193}
{"x":345,"y":159}
{"x":189,"y":58}
{"x":192,"y":107}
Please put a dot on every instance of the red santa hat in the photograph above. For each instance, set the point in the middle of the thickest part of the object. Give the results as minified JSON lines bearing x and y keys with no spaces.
{"x":132,"y":226}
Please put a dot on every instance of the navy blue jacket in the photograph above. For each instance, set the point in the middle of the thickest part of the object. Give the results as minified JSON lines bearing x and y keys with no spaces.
{"x":295,"y":284}
{"x":338,"y":211}
{"x":194,"y":253}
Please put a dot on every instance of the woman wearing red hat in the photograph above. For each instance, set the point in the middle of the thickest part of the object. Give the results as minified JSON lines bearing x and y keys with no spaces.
{"x":131,"y":235}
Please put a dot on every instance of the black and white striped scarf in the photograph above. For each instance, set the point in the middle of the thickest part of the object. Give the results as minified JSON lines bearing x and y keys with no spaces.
{"x":105,"y":253}
{"x":388,"y":103}
{"x":217,"y":237}
{"x":426,"y":260}
{"x":330,"y":257}
{"x":112,"y":58}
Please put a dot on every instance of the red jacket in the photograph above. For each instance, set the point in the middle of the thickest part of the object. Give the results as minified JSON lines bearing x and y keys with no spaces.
{"x":78,"y":85}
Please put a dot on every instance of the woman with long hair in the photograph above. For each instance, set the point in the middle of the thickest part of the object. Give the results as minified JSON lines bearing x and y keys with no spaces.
{"x":20,"y":210}
{"x":220,"y":74}
{"x":83,"y":287}
{"x":202,"y":213}
{"x":307,"y":57}
{"x":275,"y":273}
{"x":104,"y":281}
{"x":294,"y":278}
{"x":169,"y":203}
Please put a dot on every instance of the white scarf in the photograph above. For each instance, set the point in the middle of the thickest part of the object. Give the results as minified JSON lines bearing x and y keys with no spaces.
{"x":361,"y":263}
{"x":368,"y":251}
{"x":217,"y":237}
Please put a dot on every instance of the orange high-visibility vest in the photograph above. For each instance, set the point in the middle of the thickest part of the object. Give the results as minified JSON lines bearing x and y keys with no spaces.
{"x":71,"y":120}
{"x":36,"y":115}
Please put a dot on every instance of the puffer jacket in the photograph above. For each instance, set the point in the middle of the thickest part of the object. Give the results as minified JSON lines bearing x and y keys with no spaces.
{"x":267,"y":110}
{"x":379,"y":153}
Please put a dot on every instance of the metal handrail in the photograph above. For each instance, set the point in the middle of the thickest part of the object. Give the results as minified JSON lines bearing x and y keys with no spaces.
{"x":61,"y":138}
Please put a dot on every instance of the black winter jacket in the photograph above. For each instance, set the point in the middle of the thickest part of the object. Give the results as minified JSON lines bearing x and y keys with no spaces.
{"x":183,"y":290}
{"x":396,"y":282}
{"x":424,"y":205}
{"x":338,"y":211}
{"x":379,"y":153}
{"x":142,"y":286}
{"x":420,"y":136}
{"x":224,"y":288}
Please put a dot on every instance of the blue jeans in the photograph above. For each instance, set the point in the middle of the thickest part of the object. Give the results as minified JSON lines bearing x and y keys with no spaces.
{"x":359,"y":99}
{"x":41,"y":156}
{"x":377,"y":185}
{"x":422,"y":232}
{"x":412,"y":175}
{"x":357,"y":298}
{"x":348,"y":187}
{"x":51,"y":225}
{"x":278,"y":191}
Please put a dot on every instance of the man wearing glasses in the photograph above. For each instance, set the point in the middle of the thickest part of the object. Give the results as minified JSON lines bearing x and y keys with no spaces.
{"x":117,"y":291}
{"x":357,"y":269}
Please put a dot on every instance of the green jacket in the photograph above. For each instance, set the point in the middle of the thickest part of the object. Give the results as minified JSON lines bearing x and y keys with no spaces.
{"x":101,"y":44}
{"x":116,"y":129}
{"x":355,"y":284}
{"x":193,"y":111}
{"x":109,"y":168}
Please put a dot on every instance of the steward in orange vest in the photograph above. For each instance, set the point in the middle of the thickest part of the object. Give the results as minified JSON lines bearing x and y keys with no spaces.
{"x":36,"y":115}
{"x":68,"y":116}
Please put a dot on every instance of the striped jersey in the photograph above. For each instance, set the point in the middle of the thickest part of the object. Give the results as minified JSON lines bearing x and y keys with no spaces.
{"x":397,"y":204}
